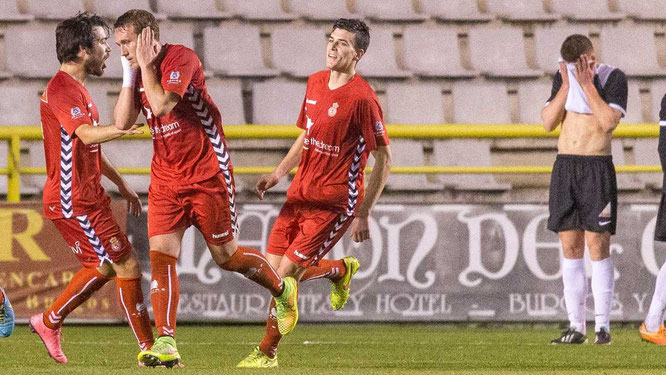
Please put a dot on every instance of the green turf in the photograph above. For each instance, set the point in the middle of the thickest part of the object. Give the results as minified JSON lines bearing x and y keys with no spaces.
{"x":343,"y":349}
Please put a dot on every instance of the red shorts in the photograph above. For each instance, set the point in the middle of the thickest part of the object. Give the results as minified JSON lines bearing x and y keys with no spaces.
{"x":306,"y":233}
{"x":94,"y":238}
{"x":206,"y":205}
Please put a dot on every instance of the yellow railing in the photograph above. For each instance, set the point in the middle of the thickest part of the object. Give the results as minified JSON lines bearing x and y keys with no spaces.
{"x":14,"y":135}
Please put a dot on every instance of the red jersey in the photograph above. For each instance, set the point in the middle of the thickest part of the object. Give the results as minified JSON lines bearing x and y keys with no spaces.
{"x":73,"y":185}
{"x":188,"y":142}
{"x":342,"y":127}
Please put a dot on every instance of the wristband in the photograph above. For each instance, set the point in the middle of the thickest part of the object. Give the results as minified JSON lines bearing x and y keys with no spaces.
{"x":129,"y":73}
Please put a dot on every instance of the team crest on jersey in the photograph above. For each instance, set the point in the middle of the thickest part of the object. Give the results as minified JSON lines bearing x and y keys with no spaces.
{"x":115,"y":244}
{"x":76,"y":113}
{"x":379,"y":127}
{"x":333,"y":110}
{"x":174,"y":77}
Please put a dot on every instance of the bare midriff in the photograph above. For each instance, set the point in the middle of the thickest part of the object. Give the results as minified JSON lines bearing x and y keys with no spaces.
{"x":582,"y":135}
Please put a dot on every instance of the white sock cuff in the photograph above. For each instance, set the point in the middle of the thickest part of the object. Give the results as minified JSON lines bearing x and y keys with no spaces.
{"x":604,"y":263}
{"x":573,"y":263}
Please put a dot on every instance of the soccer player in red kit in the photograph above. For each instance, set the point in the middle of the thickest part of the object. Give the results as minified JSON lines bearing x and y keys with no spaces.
{"x":191,"y":174}
{"x":342,"y":124}
{"x":74,"y":199}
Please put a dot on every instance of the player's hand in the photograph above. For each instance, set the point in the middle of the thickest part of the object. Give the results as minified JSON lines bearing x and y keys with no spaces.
{"x":360,"y":229}
{"x":565,"y":75}
{"x":134,"y":206}
{"x":264,"y":183}
{"x":146,"y":48}
{"x":585,"y":71}
{"x":133,"y":130}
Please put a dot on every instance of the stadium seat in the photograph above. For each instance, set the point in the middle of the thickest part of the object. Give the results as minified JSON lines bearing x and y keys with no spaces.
{"x":177,"y":33}
{"x":520,"y":10}
{"x":619,"y":48}
{"x":320,"y":10}
{"x":409,"y":153}
{"x":634,"y":105}
{"x":38,"y":61}
{"x":277,"y":102}
{"x":433,"y":53}
{"x":625,"y":181}
{"x":481,"y":102}
{"x":9,"y":13}
{"x":19,"y":104}
{"x":113,"y":9}
{"x":228,"y":95}
{"x":455,"y":10}
{"x":258,"y":10}
{"x":235,"y":50}
{"x":532,"y":96}
{"x":388,"y":10}
{"x":657,"y":93}
{"x":414,"y":103}
{"x":380,"y":59}
{"x":548,"y":41}
{"x":645,"y":153}
{"x":134,"y":153}
{"x":644,"y":10}
{"x":466,"y":152}
{"x":54,"y":10}
{"x":299,"y":51}
{"x":195,"y":9}
{"x":590,"y":10}
{"x":500,"y":52}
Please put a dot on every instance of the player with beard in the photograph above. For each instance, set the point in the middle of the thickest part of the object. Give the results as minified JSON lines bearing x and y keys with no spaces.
{"x":74,"y":199}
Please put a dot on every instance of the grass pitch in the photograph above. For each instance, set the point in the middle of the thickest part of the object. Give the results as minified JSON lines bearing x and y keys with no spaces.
{"x":343,"y":349}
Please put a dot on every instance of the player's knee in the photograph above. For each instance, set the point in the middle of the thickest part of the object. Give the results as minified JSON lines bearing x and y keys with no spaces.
{"x":222,"y":253}
{"x":128,"y":267}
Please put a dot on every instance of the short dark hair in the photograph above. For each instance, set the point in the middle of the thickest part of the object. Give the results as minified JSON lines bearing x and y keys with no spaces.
{"x":75,"y":33}
{"x":360,"y":30}
{"x":574,"y":46}
{"x":140,"y":19}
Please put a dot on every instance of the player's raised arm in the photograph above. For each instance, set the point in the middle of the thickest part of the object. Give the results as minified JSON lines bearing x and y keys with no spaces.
{"x":553,"y":112}
{"x":607,"y":116}
{"x":147,"y":49}
{"x":126,"y":110}
{"x":289,"y":162}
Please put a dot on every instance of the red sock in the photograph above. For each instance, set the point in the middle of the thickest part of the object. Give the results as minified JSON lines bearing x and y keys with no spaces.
{"x":164,"y":292}
{"x":130,"y":298}
{"x":330,"y":269}
{"x":253,"y":265}
{"x":269,"y":344}
{"x":84,"y":283}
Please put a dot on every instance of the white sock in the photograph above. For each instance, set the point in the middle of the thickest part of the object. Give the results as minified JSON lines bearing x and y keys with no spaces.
{"x":603,"y":287}
{"x":655,"y":316}
{"x":575,"y":291}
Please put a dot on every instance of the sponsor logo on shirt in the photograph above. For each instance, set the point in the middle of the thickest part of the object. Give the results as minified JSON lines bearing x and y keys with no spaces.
{"x":174,"y":77}
{"x":310,"y":101}
{"x":220,"y":235}
{"x":166,"y":130}
{"x":76,"y":113}
{"x":321,"y":147}
{"x":333,"y":110}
